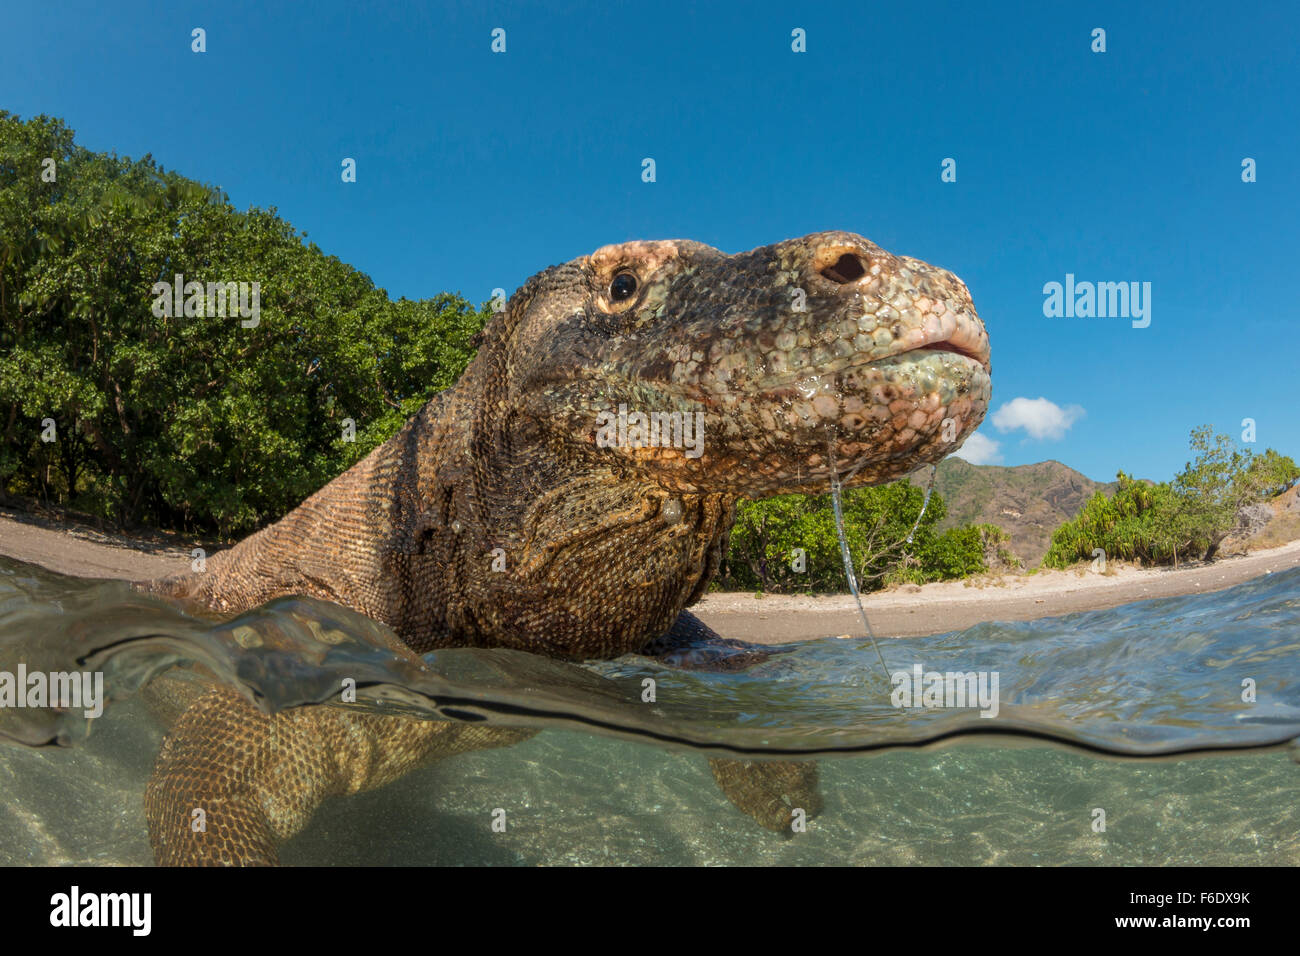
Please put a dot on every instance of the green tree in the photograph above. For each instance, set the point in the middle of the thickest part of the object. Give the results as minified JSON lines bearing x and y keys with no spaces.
{"x":188,"y":421}
{"x":772,"y":537}
{"x":1160,"y":523}
{"x":1221,"y":481}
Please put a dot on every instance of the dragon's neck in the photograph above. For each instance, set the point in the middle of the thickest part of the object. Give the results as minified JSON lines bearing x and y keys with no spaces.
{"x":462,"y":530}
{"x":528,"y":543}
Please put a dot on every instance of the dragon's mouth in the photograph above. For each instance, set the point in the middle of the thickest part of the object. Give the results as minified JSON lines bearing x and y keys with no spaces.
{"x":974,"y":364}
{"x":961,"y":335}
{"x":953,"y":347}
{"x":967,"y":339}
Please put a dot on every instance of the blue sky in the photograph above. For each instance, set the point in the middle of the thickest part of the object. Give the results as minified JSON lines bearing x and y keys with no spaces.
{"x":475,"y":169}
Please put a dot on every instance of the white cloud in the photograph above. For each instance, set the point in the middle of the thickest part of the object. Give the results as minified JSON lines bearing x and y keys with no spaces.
{"x":979,"y":450}
{"x":1037,"y":416}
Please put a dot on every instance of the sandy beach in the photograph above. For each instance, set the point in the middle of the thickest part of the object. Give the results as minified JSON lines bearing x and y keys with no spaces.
{"x":914,"y":610}
{"x":907,"y":611}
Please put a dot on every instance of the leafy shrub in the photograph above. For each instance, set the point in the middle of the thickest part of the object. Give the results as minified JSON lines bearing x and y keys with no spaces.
{"x":1190,"y":516}
{"x":769,"y":533}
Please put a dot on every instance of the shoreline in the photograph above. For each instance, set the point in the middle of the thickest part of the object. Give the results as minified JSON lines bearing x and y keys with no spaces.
{"x":906,"y":611}
{"x":919,"y":610}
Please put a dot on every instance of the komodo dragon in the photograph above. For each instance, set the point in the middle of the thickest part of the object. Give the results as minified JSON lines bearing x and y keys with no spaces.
{"x":789,"y":350}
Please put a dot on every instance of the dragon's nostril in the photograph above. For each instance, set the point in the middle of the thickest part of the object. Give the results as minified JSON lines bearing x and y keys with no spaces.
{"x":847,"y":268}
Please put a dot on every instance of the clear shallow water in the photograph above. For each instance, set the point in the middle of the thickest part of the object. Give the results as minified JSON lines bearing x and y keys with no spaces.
{"x":619,"y":780}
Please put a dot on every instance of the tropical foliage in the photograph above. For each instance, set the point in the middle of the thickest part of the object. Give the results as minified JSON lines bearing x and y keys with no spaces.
{"x":1188,"y":517}
{"x":204,"y":422}
{"x":789,"y":543}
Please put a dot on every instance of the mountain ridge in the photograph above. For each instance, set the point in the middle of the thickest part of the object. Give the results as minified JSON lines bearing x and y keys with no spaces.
{"x":1028,"y":501}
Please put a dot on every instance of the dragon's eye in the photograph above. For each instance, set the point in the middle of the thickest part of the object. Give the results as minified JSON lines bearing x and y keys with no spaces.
{"x":623,"y":287}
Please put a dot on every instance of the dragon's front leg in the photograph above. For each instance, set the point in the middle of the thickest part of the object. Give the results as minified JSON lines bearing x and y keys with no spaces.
{"x":232,"y":783}
{"x":768,"y":791}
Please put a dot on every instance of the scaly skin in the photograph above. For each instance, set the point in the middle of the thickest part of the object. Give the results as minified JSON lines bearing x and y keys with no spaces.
{"x":783,"y":349}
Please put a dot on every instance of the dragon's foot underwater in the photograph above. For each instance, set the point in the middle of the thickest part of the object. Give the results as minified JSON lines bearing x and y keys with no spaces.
{"x":1211,"y":676}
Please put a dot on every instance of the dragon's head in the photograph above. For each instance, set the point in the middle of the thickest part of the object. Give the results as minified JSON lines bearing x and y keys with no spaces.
{"x":711,"y":373}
